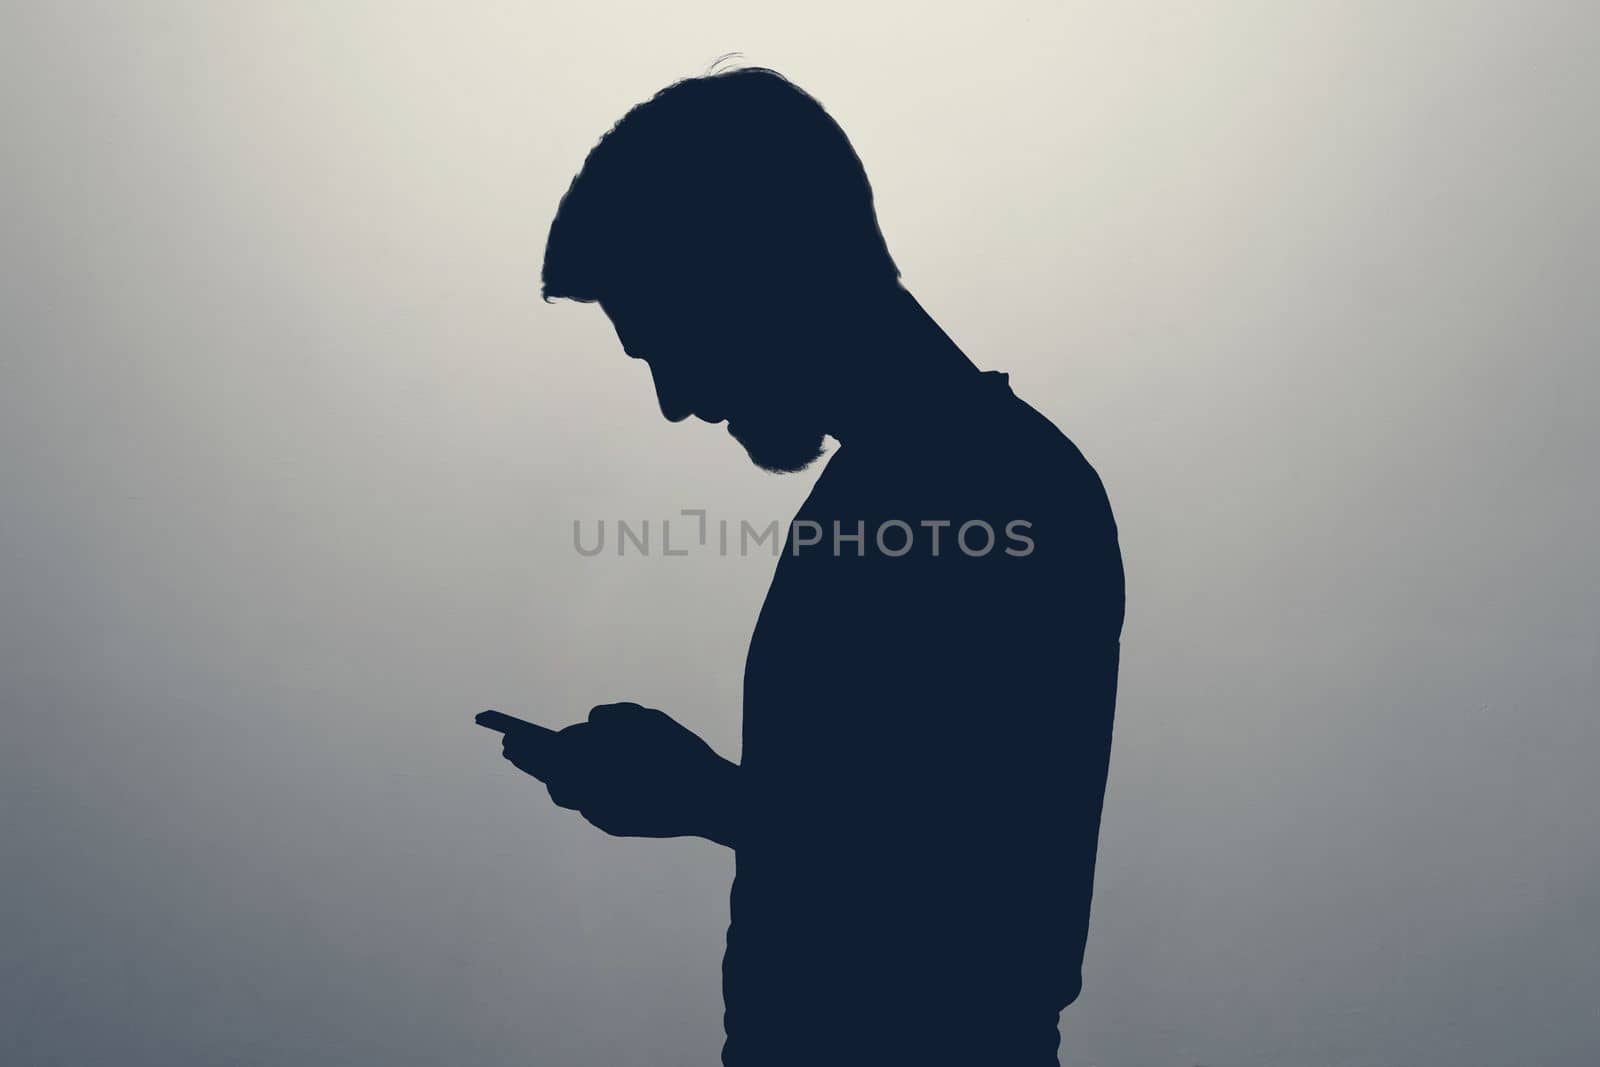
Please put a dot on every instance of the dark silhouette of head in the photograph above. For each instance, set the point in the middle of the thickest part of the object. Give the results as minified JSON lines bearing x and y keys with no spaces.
{"x":726,"y":227}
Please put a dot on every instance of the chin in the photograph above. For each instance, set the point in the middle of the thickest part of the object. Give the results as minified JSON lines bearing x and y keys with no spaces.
{"x":780,"y":450}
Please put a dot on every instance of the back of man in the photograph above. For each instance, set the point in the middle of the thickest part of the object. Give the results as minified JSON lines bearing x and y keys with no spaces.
{"x":927,"y":731}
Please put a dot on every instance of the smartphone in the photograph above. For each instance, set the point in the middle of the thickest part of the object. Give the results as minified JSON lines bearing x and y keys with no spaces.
{"x":501,"y":723}
{"x":536,"y":744}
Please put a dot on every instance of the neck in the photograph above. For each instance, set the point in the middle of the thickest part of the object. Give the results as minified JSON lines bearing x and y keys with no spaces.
{"x":894,"y":371}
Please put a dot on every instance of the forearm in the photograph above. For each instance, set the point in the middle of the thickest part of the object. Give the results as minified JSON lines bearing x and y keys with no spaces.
{"x":718,"y":803}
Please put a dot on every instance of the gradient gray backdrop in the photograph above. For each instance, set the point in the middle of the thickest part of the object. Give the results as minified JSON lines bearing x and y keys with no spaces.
{"x":290,"y":452}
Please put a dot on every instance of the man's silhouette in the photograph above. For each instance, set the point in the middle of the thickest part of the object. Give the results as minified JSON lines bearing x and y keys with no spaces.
{"x":929,"y":689}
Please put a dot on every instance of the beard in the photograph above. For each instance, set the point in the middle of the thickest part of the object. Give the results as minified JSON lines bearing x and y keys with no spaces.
{"x":776,"y":445}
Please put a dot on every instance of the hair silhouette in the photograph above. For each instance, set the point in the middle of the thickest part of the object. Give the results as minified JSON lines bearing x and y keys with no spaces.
{"x":929,"y":690}
{"x":712,"y":179}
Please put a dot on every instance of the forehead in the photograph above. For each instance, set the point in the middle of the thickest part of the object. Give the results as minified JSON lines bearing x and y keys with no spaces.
{"x":653,"y":312}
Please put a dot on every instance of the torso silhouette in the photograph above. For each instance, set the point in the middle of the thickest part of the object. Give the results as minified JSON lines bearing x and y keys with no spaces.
{"x":925,"y":750}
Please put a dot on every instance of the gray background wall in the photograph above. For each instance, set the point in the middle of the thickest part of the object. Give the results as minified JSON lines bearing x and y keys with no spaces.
{"x":290,"y":452}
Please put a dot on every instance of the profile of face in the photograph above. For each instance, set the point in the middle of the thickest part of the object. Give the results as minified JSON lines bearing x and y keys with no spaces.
{"x":720,"y":368}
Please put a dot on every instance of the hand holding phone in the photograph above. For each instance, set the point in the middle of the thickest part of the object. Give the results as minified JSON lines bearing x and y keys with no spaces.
{"x":630,"y":770}
{"x":529,"y":746}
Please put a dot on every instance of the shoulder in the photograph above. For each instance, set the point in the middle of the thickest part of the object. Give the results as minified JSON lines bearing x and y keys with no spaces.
{"x":1040,"y":483}
{"x":1027,"y":462}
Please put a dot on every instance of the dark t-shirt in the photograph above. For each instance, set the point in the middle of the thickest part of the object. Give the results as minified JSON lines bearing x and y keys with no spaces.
{"x":927,"y":726}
